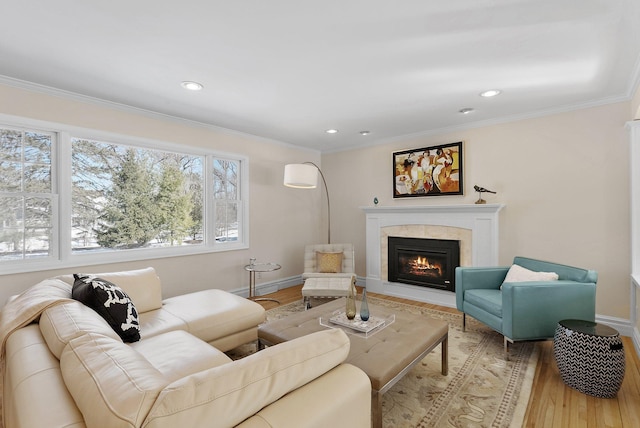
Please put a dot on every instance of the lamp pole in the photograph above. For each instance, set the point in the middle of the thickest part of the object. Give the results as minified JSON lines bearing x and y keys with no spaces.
{"x":326,"y":190}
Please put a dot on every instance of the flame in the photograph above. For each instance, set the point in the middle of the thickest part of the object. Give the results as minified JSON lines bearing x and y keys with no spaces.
{"x":423,"y":263}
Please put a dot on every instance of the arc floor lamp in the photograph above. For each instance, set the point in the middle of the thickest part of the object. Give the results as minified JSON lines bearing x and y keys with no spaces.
{"x":305,"y":176}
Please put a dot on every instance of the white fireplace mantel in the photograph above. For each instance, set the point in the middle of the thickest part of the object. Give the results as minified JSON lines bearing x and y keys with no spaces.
{"x":434,"y":209}
{"x":480,"y":219}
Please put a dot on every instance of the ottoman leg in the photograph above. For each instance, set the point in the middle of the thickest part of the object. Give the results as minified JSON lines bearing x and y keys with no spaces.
{"x":444,"y":362}
{"x":376,"y":409}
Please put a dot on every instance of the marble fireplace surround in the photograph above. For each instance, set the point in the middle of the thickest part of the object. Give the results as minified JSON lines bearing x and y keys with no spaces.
{"x":475,"y":226}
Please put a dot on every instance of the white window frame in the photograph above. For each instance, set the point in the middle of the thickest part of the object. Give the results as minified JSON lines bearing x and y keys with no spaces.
{"x":61,"y":254}
{"x":54,"y":252}
{"x":211,"y":202}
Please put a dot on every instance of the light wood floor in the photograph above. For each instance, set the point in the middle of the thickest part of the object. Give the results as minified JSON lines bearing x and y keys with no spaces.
{"x":552,"y":403}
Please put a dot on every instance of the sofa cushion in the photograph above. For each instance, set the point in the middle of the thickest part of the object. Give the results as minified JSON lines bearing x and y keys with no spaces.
{"x":110,"y":381}
{"x":232,"y":392}
{"x":111,"y":302}
{"x":153,"y":323}
{"x":62,"y":323}
{"x":177,"y":354}
{"x":142,"y":285}
{"x":488,"y":299}
{"x":214,"y":314}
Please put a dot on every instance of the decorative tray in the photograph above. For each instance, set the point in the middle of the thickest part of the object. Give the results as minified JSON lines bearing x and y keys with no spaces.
{"x":356,"y":325}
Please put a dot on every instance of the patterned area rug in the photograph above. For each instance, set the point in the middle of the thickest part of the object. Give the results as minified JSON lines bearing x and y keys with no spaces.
{"x":481,"y":389}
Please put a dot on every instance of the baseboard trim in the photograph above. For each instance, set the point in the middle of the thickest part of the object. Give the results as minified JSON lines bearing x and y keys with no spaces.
{"x":270,"y":286}
{"x":624,"y":327}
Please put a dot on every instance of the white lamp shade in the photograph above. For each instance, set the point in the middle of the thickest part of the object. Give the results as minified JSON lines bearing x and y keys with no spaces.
{"x":301,"y":176}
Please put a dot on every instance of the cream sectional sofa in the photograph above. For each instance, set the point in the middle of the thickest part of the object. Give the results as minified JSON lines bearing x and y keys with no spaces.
{"x":64,"y":366}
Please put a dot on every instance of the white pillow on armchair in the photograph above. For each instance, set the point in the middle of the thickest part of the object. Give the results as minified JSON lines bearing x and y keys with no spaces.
{"x":517,"y":273}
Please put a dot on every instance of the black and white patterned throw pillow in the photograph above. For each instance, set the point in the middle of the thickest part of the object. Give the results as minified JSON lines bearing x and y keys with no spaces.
{"x":111,"y":302}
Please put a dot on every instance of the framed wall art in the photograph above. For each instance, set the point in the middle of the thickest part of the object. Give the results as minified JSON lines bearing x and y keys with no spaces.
{"x":429,"y":171}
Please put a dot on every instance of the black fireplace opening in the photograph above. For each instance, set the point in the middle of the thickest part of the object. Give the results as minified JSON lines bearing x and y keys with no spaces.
{"x":424,"y":262}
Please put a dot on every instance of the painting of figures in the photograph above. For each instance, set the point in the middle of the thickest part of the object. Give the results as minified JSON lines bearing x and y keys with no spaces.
{"x":430,"y":171}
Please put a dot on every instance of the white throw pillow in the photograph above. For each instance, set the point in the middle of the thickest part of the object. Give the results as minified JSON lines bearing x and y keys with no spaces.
{"x":519,"y":274}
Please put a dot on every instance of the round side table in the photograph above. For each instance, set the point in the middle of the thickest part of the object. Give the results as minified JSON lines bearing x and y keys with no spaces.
{"x":590,"y":357}
{"x":259,"y":267}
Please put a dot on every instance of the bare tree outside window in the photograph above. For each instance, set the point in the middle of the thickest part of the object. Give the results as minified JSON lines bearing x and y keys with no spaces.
{"x":226,"y":197}
{"x":26,"y":194}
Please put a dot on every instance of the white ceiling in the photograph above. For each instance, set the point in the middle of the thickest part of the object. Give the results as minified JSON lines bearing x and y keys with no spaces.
{"x":288,"y":70}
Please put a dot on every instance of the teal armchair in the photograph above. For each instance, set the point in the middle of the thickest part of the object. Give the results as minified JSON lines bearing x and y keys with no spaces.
{"x":525,"y":310}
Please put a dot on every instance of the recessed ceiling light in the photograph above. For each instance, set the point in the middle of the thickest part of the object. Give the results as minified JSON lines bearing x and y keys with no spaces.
{"x":466,"y":110}
{"x":365,"y":132}
{"x":490,"y":93}
{"x":331,"y":131}
{"x":192,"y":86}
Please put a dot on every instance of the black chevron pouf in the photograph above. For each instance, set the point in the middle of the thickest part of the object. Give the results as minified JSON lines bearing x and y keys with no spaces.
{"x":590,"y":357}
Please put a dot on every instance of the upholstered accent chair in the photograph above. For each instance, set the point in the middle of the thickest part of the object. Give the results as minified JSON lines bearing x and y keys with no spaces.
{"x":329,"y":270}
{"x":521,"y":301}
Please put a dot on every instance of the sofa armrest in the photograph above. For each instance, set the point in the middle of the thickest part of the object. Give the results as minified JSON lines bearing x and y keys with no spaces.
{"x":532,"y":309}
{"x":324,"y":402}
{"x":228,"y":394}
{"x":469,"y":278}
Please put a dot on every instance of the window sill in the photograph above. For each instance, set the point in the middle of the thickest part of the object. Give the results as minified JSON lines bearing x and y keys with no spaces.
{"x":105,"y":258}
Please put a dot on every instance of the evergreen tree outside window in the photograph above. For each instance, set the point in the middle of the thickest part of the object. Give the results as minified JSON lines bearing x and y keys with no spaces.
{"x":126,"y":197}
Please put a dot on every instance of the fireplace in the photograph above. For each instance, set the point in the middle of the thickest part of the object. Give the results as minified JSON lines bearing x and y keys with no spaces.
{"x":424,"y":262}
{"x":476,"y":226}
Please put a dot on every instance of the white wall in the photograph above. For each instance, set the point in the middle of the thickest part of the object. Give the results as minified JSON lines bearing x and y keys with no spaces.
{"x":564,"y":179}
{"x":282,"y":220}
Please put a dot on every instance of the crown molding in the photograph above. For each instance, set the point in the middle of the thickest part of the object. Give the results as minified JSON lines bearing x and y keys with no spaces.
{"x":125,"y":108}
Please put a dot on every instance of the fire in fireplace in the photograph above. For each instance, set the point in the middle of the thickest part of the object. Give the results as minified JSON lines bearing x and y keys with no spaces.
{"x":424,"y":262}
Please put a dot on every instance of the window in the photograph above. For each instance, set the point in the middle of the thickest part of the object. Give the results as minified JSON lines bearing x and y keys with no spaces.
{"x":124,"y":199}
{"x":26,"y":194}
{"x":226,"y":199}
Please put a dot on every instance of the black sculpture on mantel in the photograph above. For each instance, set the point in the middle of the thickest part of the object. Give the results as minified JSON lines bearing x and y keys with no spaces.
{"x":480,"y":190}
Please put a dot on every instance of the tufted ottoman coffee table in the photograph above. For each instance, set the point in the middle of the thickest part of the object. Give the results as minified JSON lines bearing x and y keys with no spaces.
{"x":385,"y":356}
